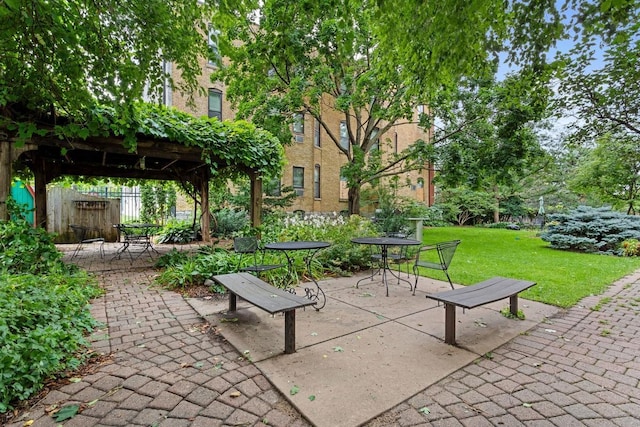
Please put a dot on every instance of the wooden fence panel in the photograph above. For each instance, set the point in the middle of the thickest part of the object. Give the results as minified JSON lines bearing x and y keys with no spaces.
{"x":66,"y":206}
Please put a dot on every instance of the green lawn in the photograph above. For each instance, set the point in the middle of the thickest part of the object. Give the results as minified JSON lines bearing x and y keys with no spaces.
{"x":563,"y":278}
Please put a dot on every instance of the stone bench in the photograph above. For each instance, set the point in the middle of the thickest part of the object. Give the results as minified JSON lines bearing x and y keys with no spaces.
{"x":268,"y":298}
{"x":482,"y":293}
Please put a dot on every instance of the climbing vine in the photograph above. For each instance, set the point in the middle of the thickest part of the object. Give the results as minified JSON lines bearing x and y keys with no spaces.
{"x":239,"y":144}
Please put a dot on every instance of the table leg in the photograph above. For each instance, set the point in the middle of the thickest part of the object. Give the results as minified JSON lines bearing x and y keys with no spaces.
{"x":316,"y":294}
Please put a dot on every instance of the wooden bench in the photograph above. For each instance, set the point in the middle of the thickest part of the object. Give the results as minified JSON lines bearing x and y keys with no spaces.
{"x":482,"y":293}
{"x":268,"y":298}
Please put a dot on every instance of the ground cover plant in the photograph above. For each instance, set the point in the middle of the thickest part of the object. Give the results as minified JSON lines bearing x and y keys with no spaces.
{"x":563,"y":277}
{"x":181,"y":270}
{"x":44,"y":313}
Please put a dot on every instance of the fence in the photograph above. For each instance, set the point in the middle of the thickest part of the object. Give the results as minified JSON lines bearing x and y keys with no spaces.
{"x":130,"y":200}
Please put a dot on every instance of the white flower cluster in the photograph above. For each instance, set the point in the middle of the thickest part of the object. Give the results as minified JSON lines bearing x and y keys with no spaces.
{"x":315,"y":220}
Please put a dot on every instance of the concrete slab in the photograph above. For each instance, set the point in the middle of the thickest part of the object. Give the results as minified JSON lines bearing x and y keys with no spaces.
{"x":363,"y":347}
{"x":373,"y":370}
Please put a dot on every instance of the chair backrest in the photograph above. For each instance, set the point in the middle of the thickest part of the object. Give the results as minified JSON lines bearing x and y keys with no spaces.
{"x":79,"y":231}
{"x":245,"y":245}
{"x":446,"y":251}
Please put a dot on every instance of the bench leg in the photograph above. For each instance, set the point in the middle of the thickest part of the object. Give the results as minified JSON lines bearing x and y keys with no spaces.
{"x":290,"y":331}
{"x":449,"y":324}
{"x":513,"y":305}
{"x":232,"y":301}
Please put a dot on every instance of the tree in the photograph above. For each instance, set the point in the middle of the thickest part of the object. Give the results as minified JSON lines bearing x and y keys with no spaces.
{"x":59,"y":57}
{"x":612,"y":171}
{"x":489,"y":141}
{"x":292,"y":57}
{"x":600,"y":77}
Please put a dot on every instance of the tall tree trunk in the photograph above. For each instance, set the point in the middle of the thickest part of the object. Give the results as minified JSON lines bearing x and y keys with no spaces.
{"x":354,"y":200}
{"x":496,"y":210}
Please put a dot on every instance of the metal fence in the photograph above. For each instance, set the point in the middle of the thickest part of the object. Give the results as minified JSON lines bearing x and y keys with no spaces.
{"x":130,"y":200}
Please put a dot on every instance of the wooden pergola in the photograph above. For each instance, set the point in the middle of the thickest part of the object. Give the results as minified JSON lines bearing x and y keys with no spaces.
{"x":50,"y":158}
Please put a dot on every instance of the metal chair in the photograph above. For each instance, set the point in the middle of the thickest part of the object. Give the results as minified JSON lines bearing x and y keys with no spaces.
{"x":81,"y":233}
{"x":444,"y":251}
{"x":250,"y":246}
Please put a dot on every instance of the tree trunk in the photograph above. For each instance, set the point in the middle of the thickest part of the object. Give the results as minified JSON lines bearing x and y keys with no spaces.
{"x":496,"y":210}
{"x":354,"y":200}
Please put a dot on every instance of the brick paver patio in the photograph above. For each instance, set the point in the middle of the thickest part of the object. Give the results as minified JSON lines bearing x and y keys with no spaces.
{"x":581,"y":368}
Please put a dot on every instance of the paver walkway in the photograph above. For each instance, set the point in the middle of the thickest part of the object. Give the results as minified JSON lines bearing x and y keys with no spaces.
{"x":581,"y":368}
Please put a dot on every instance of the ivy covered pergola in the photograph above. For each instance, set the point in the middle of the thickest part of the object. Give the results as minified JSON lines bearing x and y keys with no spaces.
{"x":153,"y":142}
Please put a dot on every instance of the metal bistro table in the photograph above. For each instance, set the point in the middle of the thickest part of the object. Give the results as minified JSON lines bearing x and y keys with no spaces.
{"x":136,"y":234}
{"x":384,"y":243}
{"x":312,"y":248}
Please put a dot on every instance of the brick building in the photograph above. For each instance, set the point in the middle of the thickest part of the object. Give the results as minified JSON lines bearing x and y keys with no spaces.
{"x":313,"y":160}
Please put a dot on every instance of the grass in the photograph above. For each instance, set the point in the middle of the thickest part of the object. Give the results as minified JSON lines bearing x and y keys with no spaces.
{"x":563,"y":278}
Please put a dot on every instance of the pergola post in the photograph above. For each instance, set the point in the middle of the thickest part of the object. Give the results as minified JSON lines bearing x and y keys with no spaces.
{"x":203,"y":178}
{"x":40,"y":191}
{"x":5,"y":177}
{"x":256,"y":199}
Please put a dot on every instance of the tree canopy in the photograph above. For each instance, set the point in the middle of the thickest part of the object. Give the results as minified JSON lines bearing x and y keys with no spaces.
{"x":600,"y":75}
{"x":354,"y":59}
{"x":490,"y":141}
{"x":59,"y":57}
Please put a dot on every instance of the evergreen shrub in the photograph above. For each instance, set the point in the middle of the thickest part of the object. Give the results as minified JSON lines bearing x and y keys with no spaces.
{"x":593,"y":230}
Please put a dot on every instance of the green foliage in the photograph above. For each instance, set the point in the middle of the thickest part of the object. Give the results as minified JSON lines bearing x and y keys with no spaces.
{"x":342,"y":257}
{"x":611,"y":171}
{"x":461,"y":205}
{"x":227,"y":222}
{"x":24,"y":249}
{"x":313,"y":56}
{"x":586,"y":229}
{"x":599,"y":79}
{"x":60,"y":56}
{"x":238,"y":143}
{"x":157,"y":199}
{"x":183,"y":270}
{"x":43,"y":319}
{"x":631,"y":247}
{"x":506,"y":312}
{"x":177,"y":232}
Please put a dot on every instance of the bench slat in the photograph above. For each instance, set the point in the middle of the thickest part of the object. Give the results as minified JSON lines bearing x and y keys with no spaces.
{"x":485,"y":292}
{"x":261,"y":294}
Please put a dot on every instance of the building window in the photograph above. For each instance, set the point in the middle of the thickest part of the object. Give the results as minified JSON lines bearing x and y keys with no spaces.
{"x":215,"y":103}
{"x":395,"y":143}
{"x":316,"y":133}
{"x":298,"y":177}
{"x":344,"y":190}
{"x":214,"y":52}
{"x":344,"y":135}
{"x":374,"y":135}
{"x":316,"y":182}
{"x":298,"y":127}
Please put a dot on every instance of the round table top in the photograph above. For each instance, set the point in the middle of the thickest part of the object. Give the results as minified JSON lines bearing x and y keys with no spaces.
{"x":296,"y":245}
{"x":385,"y":241}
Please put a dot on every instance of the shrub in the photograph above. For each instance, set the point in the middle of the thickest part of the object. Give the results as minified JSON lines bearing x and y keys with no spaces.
{"x":24,"y":249}
{"x":178,"y":232}
{"x":342,"y":257}
{"x":183,"y":270}
{"x":586,"y":229}
{"x":631,"y":247}
{"x":226,"y":222}
{"x":43,"y":320}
